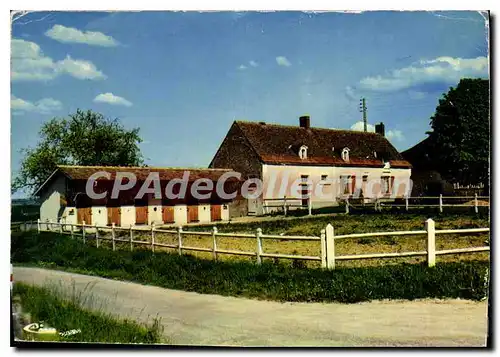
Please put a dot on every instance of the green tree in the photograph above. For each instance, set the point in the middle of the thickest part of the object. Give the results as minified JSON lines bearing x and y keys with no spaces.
{"x":84,"y":138}
{"x":460,"y":133}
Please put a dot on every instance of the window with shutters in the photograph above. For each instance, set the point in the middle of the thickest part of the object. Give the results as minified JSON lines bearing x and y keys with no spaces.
{"x":346,"y":184}
{"x":386,"y":189}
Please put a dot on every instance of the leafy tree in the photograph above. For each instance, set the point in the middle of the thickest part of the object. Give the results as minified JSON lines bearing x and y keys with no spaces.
{"x":84,"y":138}
{"x":461,"y":133}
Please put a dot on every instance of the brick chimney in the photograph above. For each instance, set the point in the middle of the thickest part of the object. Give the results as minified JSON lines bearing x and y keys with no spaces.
{"x":305,"y":121}
{"x":380,"y":129}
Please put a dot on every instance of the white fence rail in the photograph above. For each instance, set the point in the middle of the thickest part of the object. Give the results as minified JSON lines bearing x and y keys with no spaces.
{"x":326,"y":241}
{"x":286,"y":204}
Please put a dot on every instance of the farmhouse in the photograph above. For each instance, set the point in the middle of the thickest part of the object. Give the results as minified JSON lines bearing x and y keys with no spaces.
{"x":338,"y":163}
{"x":104,"y":195}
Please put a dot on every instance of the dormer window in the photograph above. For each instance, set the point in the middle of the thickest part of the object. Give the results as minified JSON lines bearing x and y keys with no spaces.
{"x":345,"y":154}
{"x":303,"y":152}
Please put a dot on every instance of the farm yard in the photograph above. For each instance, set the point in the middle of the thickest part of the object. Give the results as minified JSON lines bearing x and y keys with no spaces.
{"x":200,"y":237}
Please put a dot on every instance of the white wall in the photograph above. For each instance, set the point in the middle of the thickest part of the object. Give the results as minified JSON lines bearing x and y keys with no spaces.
{"x":99,"y":215}
{"x":274,"y":175}
{"x":69,"y":216}
{"x":127,"y":216}
{"x":50,"y":209}
{"x":204,"y":213}
{"x":154,"y":212}
{"x":180,"y":214}
{"x":225,"y":212}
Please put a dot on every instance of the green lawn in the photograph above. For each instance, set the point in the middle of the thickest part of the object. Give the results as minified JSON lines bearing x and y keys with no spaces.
{"x":343,"y":224}
{"x":271,"y":280}
{"x":47,"y":306}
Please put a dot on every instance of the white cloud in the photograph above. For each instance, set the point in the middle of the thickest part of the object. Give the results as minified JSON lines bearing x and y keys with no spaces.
{"x":80,"y":69}
{"x":43,"y":106}
{"x":441,"y":69}
{"x":392,"y":135}
{"x":71,"y":35}
{"x":359,"y":126}
{"x":112,"y":99}
{"x":395,"y":135}
{"x":242,"y":67}
{"x":283,"y":61}
{"x":28,"y":63}
{"x":253,"y":63}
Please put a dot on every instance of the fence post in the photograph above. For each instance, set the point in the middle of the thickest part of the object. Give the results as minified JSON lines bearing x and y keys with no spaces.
{"x":96,"y":235}
{"x":179,"y":237}
{"x":431,"y":242}
{"x":113,"y":234}
{"x":309,"y":206}
{"x":406,"y":203}
{"x":284,"y":205}
{"x":258,"y":234}
{"x":330,"y":246}
{"x":60,"y":226}
{"x":71,"y":229}
{"x":323,"y":248}
{"x":38,"y":225}
{"x":131,"y":239}
{"x":476,"y":209}
{"x":440,"y":203}
{"x":153,"y":237}
{"x":49,"y":225}
{"x":214,"y":238}
{"x":347,"y":205}
{"x":83,"y":231}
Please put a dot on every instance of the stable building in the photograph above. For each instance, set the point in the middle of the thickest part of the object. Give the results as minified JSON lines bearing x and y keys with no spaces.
{"x":102,"y":195}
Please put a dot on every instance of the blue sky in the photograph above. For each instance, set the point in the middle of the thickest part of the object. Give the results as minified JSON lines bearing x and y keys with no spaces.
{"x":184,"y":77}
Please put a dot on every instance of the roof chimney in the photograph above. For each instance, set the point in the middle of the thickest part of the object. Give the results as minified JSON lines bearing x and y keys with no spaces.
{"x":380,"y":129}
{"x":305,"y":121}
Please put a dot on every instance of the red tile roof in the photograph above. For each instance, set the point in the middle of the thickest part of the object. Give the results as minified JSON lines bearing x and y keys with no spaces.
{"x":141,"y":173}
{"x":277,"y":144}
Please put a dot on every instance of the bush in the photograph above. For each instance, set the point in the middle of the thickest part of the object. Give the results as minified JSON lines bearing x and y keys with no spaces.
{"x":266,"y":281}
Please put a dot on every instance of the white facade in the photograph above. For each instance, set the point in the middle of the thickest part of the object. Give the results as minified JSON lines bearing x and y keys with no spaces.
{"x":155,"y":212}
{"x":180,"y":214}
{"x":51,"y":207}
{"x":127,"y":216}
{"x":225,"y":212}
{"x":204,"y":215}
{"x":99,"y":215}
{"x":326,"y":183}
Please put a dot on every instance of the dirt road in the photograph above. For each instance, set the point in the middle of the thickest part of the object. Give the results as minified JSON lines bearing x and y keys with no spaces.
{"x":199,"y":319}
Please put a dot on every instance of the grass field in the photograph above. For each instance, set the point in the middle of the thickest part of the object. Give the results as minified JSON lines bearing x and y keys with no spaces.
{"x":343,"y":224}
{"x":274,"y":281}
{"x":47,"y":305}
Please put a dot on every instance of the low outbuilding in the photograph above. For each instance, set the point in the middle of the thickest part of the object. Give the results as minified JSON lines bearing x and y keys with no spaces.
{"x":125,"y":196}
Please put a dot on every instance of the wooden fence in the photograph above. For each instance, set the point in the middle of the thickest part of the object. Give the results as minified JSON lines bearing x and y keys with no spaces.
{"x":438,"y":202}
{"x":441,"y":202}
{"x":326,"y":240}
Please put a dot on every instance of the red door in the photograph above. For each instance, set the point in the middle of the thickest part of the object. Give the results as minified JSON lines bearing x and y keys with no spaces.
{"x":192,"y":214}
{"x":84,"y":214}
{"x":114,"y":215}
{"x":215,"y":213}
{"x":141,"y":214}
{"x":168,"y":214}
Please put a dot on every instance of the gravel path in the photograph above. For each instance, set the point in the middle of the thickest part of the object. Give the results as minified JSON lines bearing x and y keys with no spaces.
{"x":200,"y":319}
